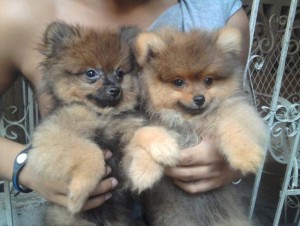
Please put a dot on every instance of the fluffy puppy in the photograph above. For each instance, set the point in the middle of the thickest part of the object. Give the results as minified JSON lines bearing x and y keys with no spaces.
{"x":91,"y":77}
{"x":191,"y":84}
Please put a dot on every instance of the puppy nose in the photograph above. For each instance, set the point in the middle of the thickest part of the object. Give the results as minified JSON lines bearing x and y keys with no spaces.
{"x":113,"y":91}
{"x":199,"y":100}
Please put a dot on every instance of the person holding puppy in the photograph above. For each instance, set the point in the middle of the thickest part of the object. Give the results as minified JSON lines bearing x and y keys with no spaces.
{"x":21,"y":25}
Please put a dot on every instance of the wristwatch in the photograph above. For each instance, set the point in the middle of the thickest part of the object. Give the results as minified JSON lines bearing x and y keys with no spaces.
{"x":19,"y":163}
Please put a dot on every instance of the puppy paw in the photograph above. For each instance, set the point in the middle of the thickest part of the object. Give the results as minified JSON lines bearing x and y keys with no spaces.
{"x":77,"y":196}
{"x":166,"y":152}
{"x":141,"y":170}
{"x":247,"y":160}
{"x":84,"y":180}
{"x":159,"y":144}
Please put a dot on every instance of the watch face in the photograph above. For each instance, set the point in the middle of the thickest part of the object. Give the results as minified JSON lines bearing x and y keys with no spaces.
{"x":21,"y":158}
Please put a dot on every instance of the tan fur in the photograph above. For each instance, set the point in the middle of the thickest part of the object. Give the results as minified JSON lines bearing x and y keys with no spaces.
{"x":191,"y":83}
{"x":92,"y":112}
{"x":72,"y":136}
{"x":67,"y":145}
{"x":168,"y":66}
{"x":242,"y":138}
{"x":64,"y":217}
{"x":230,"y":39}
{"x":148,"y":144}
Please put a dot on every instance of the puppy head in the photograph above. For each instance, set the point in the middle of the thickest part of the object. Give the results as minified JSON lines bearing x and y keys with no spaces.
{"x":188,"y":72}
{"x":90,"y":66}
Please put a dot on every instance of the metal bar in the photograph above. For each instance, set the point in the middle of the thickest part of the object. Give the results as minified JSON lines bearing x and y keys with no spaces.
{"x":293,"y":192}
{"x":285,"y":185}
{"x":280,"y":72}
{"x":7,"y":197}
{"x":296,"y":218}
{"x":8,"y":206}
{"x":252,"y":23}
{"x":276,"y":93}
{"x":28,"y":108}
{"x":299,"y":223}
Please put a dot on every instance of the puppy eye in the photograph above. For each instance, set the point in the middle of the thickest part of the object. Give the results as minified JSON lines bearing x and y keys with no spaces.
{"x":208,"y":81}
{"x":92,"y":75}
{"x":178,"y":82}
{"x":120,"y":73}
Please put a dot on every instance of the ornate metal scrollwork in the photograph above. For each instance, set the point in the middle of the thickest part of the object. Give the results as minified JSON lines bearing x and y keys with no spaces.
{"x":283,"y":131}
{"x":9,"y":125}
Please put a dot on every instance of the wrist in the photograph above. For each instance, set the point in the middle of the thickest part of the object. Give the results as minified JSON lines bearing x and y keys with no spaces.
{"x":25,"y":177}
{"x":18,"y":167}
{"x":8,"y":152}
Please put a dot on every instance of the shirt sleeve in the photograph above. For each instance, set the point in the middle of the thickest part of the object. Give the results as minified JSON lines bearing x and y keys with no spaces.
{"x":233,"y":6}
{"x":208,"y":15}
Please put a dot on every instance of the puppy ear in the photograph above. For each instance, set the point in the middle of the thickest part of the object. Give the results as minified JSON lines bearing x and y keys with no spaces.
{"x":230,"y":40}
{"x":147,"y":45}
{"x":128,"y":33}
{"x":56,"y":36}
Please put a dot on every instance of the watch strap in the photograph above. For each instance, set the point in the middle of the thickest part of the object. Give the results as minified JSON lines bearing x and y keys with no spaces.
{"x":18,"y":166}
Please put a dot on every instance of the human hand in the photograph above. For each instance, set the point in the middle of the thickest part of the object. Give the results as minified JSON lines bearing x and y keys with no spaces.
{"x":202,"y":168}
{"x":57,"y":191}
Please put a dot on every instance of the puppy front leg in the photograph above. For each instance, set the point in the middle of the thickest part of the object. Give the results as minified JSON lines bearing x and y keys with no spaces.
{"x":64,"y":151}
{"x":88,"y":168}
{"x":241,"y":144}
{"x":149,"y":151}
{"x":71,"y":159}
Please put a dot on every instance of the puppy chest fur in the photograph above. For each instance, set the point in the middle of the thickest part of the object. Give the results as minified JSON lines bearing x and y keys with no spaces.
{"x":91,"y":77}
{"x":192,"y":85}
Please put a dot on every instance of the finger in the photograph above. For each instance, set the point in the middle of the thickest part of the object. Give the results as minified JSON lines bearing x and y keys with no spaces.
{"x":107,"y":154}
{"x":204,"y":153}
{"x":199,"y":186}
{"x":188,"y":174}
{"x":96,"y":201}
{"x":192,"y":156}
{"x":108,"y":170}
{"x":105,"y":186}
{"x":98,"y":197}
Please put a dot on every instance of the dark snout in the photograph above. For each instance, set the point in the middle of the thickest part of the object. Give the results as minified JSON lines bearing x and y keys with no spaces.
{"x":199,"y":100}
{"x":107,"y":96}
{"x":113,"y":91}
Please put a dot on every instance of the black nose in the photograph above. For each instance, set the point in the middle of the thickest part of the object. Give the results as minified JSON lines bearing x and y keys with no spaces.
{"x":113,"y":91}
{"x":199,"y":100}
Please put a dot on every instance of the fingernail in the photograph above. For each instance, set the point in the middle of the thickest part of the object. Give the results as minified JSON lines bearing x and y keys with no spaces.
{"x":114,"y":182}
{"x":108,"y":154}
{"x":108,"y":170}
{"x":108,"y":196}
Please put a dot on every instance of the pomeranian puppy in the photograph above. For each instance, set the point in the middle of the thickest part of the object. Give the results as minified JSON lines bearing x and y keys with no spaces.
{"x":91,"y":76}
{"x":191,"y":84}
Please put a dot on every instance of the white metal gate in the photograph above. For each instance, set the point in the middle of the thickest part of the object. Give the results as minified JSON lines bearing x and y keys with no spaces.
{"x":273,"y":71}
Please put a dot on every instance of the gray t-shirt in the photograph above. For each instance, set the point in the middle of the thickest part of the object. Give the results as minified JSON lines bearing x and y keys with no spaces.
{"x":191,"y":14}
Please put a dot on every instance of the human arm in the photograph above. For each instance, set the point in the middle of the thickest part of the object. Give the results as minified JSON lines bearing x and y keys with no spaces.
{"x":57,"y":192}
{"x":53,"y":191}
{"x":203,"y":168}
{"x":240,"y":21}
{"x":16,"y":40}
